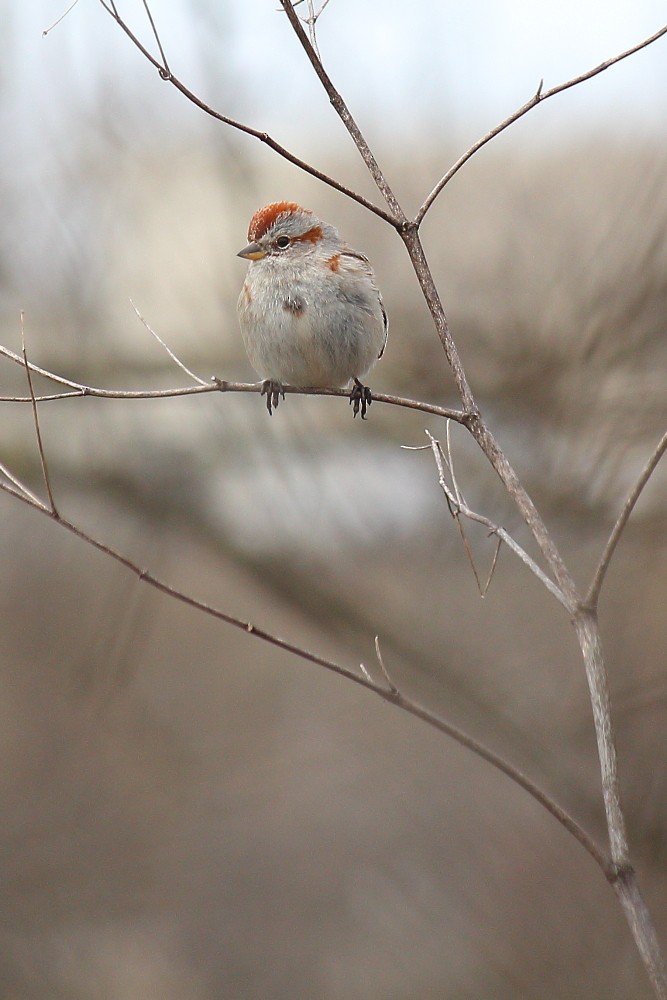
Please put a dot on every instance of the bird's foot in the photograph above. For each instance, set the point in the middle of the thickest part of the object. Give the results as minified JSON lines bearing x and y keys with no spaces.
{"x":273,"y":391}
{"x":361,"y":397}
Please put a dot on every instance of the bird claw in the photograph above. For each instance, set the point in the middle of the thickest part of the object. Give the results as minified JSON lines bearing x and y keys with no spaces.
{"x":361,"y":397}
{"x":273,"y":391}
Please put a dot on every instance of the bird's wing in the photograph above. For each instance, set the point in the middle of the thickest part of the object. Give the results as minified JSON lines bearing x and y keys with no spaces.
{"x":357,"y":255}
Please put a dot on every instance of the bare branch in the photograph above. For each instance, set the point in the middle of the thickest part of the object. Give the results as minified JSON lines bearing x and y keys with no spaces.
{"x":536,"y":99}
{"x":415,"y":249}
{"x":393,"y":696}
{"x":61,"y":18}
{"x":385,"y":673}
{"x":588,"y":633}
{"x":195,"y":378}
{"x":492,"y":568}
{"x":457,"y":504}
{"x":17,"y":359}
{"x":450,"y":463}
{"x":31,"y":497}
{"x":345,"y":116}
{"x":478,"y":427}
{"x":78,"y":390}
{"x":365,"y":673}
{"x":255,"y":133}
{"x":166,"y":71}
{"x":643,"y":931}
{"x":593,"y":595}
{"x":312,"y":20}
{"x":38,"y":433}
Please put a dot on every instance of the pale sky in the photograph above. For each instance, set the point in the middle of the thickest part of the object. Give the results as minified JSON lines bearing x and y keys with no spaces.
{"x":464,"y":66}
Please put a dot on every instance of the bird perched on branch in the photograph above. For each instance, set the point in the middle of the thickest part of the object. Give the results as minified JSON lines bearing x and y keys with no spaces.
{"x":310,"y":312}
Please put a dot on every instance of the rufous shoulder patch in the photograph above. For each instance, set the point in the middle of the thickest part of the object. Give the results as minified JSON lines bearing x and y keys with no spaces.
{"x":334,"y":262}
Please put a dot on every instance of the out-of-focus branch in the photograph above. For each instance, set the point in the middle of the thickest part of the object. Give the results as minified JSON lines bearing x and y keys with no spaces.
{"x":538,"y":97}
{"x":241,"y":127}
{"x":593,"y":595}
{"x":35,"y":418}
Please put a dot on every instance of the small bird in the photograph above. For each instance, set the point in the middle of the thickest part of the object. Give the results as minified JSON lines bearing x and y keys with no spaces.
{"x":310,"y":312}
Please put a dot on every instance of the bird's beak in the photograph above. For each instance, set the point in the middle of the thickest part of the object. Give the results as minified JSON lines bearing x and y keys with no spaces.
{"x":252,"y":252}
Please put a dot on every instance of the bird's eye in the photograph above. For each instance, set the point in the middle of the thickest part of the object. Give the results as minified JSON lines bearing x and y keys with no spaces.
{"x":283,"y":242}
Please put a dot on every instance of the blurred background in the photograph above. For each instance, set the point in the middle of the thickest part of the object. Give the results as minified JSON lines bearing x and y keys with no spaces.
{"x":189,"y":812}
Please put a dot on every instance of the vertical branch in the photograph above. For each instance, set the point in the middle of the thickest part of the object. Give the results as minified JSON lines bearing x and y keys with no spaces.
{"x":413,"y":245}
{"x":643,"y":931}
{"x":588,"y":633}
{"x":625,"y":882}
{"x":343,"y":113}
{"x":477,"y":426}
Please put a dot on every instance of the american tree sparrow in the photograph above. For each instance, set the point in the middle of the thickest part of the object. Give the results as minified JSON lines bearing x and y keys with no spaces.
{"x":310,"y":312}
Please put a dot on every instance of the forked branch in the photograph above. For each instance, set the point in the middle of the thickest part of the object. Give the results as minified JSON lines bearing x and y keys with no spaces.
{"x":264,"y":137}
{"x":458,"y":506}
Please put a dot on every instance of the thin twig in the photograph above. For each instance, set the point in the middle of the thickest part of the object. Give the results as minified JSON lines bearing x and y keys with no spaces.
{"x":195,"y":378}
{"x":365,"y":673}
{"x":495,"y":529}
{"x":61,"y":18}
{"x":458,"y":500}
{"x":593,"y":595}
{"x":18,"y":360}
{"x":494,"y":563}
{"x":33,"y":498}
{"x":255,"y":133}
{"x":450,"y":463}
{"x":166,"y":71}
{"x":38,"y":433}
{"x":392,"y":696}
{"x":538,"y":97}
{"x":456,"y":514}
{"x":385,"y":673}
{"x":311,"y":21}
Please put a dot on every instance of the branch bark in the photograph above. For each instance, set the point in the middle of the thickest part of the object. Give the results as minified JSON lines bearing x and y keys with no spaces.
{"x":77,"y":390}
{"x":389,"y":693}
{"x":344,"y":114}
{"x":264,"y":137}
